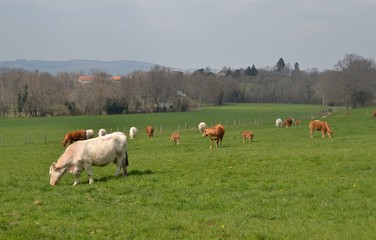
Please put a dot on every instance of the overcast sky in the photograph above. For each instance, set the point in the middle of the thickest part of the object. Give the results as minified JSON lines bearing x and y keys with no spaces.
{"x":190,"y":33}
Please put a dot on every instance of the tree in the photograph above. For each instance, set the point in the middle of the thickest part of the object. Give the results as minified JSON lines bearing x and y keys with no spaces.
{"x":280,"y":66}
{"x":355,"y":79}
{"x":296,"y":66}
{"x":21,"y":100}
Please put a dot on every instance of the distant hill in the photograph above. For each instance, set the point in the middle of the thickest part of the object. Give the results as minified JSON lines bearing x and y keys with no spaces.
{"x":123,"y":67}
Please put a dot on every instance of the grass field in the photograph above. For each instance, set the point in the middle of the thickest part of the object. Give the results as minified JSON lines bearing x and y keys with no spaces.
{"x":284,"y":185}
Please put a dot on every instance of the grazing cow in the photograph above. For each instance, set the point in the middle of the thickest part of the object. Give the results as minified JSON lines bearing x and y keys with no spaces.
{"x":320,"y":126}
{"x":201,"y":127}
{"x":288,"y":122}
{"x":175,"y":137}
{"x":248,"y":135}
{"x":149,"y":131}
{"x":297,"y":122}
{"x":102,"y":132}
{"x":94,"y":152}
{"x":278,"y":122}
{"x":73,"y":136}
{"x":215,"y":133}
{"x":133,"y":132}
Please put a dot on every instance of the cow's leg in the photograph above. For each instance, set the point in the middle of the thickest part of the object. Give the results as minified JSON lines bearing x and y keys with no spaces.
{"x":89,"y":170}
{"x":125,"y":164}
{"x":77,"y":174}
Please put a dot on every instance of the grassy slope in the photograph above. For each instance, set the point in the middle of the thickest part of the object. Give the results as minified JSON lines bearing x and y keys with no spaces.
{"x":283,"y":186}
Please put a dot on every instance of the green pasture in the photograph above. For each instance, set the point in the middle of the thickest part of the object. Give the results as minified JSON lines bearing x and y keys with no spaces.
{"x":284,"y":185}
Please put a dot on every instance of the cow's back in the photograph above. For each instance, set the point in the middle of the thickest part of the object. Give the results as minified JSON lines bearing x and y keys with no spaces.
{"x":100,"y":151}
{"x":220,"y":130}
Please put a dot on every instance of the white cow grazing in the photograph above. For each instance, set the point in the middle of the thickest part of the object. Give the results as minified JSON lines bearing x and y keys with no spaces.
{"x":132,"y":132}
{"x":278,"y":122}
{"x":93,"y":152}
{"x":89,"y":133}
{"x":201,"y":127}
{"x":102,"y":132}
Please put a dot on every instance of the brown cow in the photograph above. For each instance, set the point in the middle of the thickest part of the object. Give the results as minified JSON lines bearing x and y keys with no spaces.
{"x":175,"y":137}
{"x":247,"y":134}
{"x":215,"y":133}
{"x":320,"y":126}
{"x":374,"y":114}
{"x":288,"y":122}
{"x":149,"y":131}
{"x":71,"y":137}
{"x":297,"y":122}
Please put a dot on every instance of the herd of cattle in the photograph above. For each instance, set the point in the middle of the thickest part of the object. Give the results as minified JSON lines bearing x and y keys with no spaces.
{"x":113,"y":147}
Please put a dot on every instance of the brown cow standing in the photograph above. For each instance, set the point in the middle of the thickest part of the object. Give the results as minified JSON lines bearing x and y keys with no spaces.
{"x":74,"y":136}
{"x":175,"y":137}
{"x":149,"y":131}
{"x":320,"y":126}
{"x":289,"y":122}
{"x":247,"y":134}
{"x":374,"y":114}
{"x":215,"y":133}
{"x":298,"y":122}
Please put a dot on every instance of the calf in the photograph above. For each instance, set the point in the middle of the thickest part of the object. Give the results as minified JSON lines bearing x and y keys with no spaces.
{"x":215,"y":133}
{"x":74,"y":136}
{"x":102,"y":132}
{"x":278,"y":122}
{"x":248,"y":135}
{"x":175,"y":137}
{"x":94,"y":152}
{"x":288,"y":122}
{"x":133,"y":132}
{"x":320,"y":126}
{"x":201,"y":127}
{"x":149,"y":131}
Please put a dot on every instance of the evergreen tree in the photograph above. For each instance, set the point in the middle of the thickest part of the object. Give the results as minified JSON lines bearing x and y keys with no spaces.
{"x":21,"y":100}
{"x":280,"y":66}
{"x":254,"y":71}
{"x":296,"y":66}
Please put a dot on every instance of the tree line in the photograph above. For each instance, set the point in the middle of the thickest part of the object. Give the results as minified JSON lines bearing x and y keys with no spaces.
{"x":352,"y":83}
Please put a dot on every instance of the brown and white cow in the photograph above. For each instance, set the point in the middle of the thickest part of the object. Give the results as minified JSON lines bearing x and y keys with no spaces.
{"x":247,"y":135}
{"x":149,"y":131}
{"x":288,"y":122}
{"x":320,"y":126}
{"x":77,"y":135}
{"x":175,"y":137}
{"x":94,"y":152}
{"x":215,"y":133}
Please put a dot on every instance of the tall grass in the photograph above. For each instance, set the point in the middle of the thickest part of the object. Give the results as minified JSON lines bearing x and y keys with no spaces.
{"x":285,"y":185}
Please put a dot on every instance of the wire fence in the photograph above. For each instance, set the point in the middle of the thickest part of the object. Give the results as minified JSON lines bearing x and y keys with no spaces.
{"x":36,"y":136}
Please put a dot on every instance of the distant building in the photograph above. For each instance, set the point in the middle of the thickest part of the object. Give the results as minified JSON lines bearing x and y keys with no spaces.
{"x":90,"y":79}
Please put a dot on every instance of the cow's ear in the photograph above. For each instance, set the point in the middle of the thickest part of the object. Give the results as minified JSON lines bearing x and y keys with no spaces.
{"x":54,"y":165}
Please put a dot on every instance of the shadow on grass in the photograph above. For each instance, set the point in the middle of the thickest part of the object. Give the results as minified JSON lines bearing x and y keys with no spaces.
{"x":130,"y":173}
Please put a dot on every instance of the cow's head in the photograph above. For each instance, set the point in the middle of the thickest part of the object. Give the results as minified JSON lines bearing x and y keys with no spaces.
{"x":55,"y":174}
{"x":328,"y":130}
{"x":65,"y":140}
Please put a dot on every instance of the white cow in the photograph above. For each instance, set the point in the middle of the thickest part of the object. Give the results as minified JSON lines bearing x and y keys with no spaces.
{"x":278,"y":122}
{"x":132,"y":132}
{"x":102,"y":132}
{"x":93,"y":152}
{"x":89,"y":133}
{"x":201,"y":127}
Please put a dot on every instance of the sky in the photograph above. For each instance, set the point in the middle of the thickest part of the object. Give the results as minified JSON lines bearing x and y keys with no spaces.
{"x":188,"y":34}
